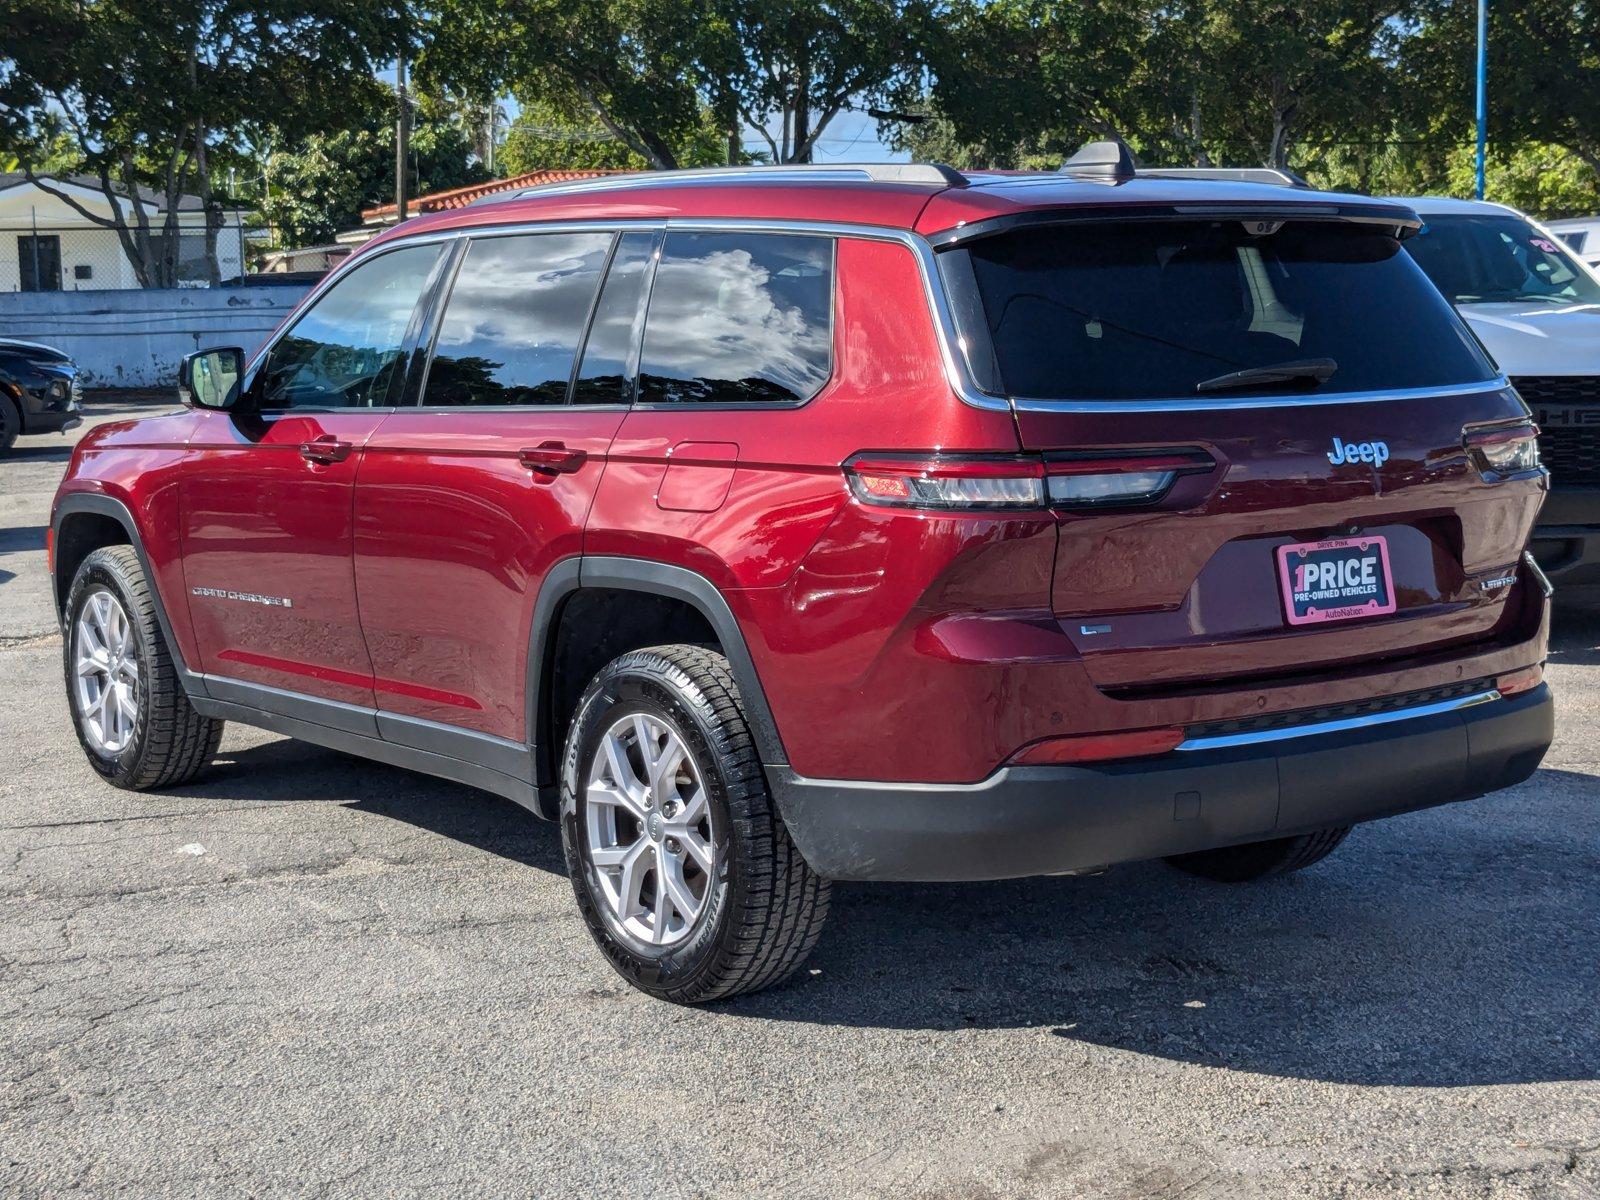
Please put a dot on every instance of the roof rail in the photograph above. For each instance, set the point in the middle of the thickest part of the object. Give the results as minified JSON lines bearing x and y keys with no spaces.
{"x":1273,"y":175}
{"x":936,"y":173}
{"x":1112,"y":160}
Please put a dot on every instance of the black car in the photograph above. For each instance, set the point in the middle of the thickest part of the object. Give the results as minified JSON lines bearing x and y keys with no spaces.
{"x":38,"y":391}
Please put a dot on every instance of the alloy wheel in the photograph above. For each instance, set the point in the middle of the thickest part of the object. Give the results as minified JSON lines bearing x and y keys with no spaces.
{"x":649,"y":833}
{"x":106,"y":673}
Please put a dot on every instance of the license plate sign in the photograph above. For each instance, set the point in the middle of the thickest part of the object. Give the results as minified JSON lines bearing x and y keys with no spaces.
{"x":1335,"y":580}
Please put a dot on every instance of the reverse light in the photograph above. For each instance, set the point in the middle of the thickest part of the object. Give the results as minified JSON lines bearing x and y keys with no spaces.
{"x":1119,"y":479}
{"x":1013,"y":482}
{"x":1099,"y":747}
{"x":1507,"y":451}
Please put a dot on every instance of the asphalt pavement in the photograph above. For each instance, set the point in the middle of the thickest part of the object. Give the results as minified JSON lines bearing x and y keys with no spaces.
{"x":311,"y":975}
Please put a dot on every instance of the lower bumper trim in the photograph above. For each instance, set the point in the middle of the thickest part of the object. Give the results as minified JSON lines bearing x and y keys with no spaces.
{"x":1049,"y":820}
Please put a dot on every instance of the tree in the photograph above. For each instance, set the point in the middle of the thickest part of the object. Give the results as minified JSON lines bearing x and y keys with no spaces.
{"x":323,"y":182}
{"x":545,"y":137}
{"x":787,"y":68}
{"x":629,"y":64}
{"x":1544,"y":71}
{"x":1025,"y":82}
{"x":1181,"y":81}
{"x":153,"y":91}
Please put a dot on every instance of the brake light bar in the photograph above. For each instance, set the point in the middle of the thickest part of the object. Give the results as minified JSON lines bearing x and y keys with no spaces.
{"x":982,"y":482}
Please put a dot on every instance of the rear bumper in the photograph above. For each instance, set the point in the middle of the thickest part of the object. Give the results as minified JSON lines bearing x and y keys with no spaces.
{"x":1048,"y":820}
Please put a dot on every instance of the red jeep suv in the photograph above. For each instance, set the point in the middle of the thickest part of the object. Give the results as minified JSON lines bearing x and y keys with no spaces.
{"x":773,"y":526}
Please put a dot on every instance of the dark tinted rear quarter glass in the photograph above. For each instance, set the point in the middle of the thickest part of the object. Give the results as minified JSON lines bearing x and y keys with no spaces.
{"x":511,"y":325}
{"x":1148,"y":310}
{"x":739,"y":318}
{"x":604,"y":376}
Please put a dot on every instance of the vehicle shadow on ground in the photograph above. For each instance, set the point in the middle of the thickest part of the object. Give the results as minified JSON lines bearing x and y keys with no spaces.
{"x":18,"y":538}
{"x":294,"y":771}
{"x":1453,"y":947}
{"x":1439,"y":949}
{"x":49,"y":452}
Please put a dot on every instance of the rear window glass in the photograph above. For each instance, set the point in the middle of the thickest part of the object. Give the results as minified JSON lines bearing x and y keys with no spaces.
{"x":1164,"y":309}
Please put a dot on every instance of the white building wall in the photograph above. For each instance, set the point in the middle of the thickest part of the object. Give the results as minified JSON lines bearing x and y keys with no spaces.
{"x":25,"y":209}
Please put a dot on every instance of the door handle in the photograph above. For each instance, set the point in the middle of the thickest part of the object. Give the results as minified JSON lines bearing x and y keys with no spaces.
{"x":325,"y":449}
{"x":552,"y":458}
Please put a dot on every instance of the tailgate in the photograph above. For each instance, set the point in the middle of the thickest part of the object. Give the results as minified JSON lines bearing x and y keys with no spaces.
{"x":1199,"y":572}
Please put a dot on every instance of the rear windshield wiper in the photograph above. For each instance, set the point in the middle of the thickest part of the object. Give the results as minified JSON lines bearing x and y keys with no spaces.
{"x":1300,"y":370}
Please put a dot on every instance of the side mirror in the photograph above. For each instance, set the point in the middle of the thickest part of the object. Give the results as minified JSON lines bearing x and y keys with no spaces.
{"x":210,"y":378}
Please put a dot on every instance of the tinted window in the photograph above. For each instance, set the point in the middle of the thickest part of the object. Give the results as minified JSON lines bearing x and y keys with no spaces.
{"x":1481,"y":260}
{"x":1153,"y":309}
{"x":511,"y":326}
{"x":738,"y":318}
{"x":341,"y":353}
{"x":604,"y":377}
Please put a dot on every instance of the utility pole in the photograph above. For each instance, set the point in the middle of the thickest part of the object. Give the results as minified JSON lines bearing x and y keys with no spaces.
{"x":1483,"y":95}
{"x":402,"y":138}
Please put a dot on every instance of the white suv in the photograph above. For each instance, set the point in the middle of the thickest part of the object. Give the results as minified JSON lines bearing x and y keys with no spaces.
{"x":1535,"y":305}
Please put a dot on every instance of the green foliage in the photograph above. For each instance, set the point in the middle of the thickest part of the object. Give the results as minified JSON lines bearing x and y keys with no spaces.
{"x":321,"y":185}
{"x":152,"y":92}
{"x":631,"y":63}
{"x":1548,"y":181}
{"x":547,"y":137}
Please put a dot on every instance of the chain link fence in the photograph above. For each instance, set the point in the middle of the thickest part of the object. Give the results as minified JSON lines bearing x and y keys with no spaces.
{"x":83,"y":257}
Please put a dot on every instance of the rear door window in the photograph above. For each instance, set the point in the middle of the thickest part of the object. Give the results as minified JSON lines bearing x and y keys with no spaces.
{"x":516,"y":313}
{"x":1152,"y":310}
{"x":605,"y":376}
{"x":739,"y":318}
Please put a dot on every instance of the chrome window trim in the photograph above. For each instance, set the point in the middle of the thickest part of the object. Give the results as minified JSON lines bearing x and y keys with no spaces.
{"x":1297,"y":400}
{"x":1316,"y":728}
{"x":951,"y":351}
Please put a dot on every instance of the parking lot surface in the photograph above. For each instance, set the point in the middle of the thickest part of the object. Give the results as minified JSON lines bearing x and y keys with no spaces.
{"x":311,"y":975}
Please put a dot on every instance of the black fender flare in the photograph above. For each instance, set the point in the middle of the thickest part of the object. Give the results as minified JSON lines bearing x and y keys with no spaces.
{"x":660,"y":579}
{"x":99,"y":504}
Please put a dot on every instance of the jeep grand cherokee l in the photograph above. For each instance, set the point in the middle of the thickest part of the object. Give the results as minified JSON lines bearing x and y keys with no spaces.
{"x":769,"y":527}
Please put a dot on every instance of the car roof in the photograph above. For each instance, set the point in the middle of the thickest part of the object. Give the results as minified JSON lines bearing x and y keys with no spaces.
{"x":927,"y":200}
{"x":1450,"y":206}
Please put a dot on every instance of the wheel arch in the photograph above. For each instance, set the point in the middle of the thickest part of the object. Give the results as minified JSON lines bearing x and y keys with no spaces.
{"x":84,"y":522}
{"x":591,"y":574}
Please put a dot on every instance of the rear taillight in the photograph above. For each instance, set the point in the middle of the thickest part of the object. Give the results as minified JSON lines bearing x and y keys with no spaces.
{"x":1099,"y":747}
{"x":1014,"y":481}
{"x":934,"y":481}
{"x":1497,"y":453}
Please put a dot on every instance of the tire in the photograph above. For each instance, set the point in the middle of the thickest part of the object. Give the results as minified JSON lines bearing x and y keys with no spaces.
{"x":1262,"y":860}
{"x":760,"y":909}
{"x":10,"y":423}
{"x":163,"y":741}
